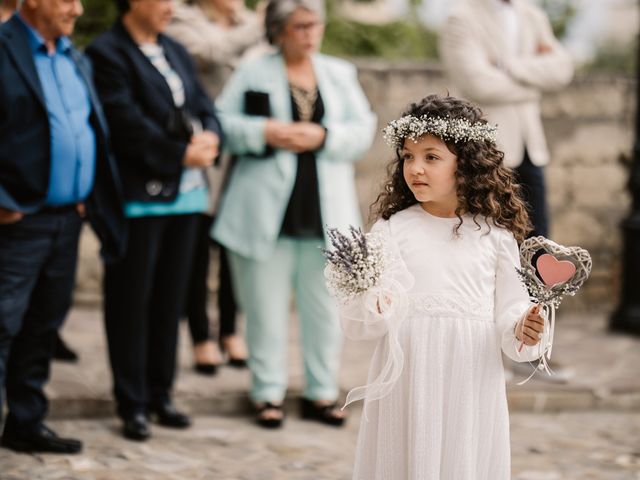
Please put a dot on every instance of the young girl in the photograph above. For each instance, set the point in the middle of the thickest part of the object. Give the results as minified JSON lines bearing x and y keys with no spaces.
{"x":450,"y":218}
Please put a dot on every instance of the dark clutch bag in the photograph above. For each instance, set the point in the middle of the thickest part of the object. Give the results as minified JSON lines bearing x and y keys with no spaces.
{"x":257,"y":104}
{"x":179,"y":125}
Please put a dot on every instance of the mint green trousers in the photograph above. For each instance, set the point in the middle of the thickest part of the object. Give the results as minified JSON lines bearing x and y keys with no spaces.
{"x":264,"y":289}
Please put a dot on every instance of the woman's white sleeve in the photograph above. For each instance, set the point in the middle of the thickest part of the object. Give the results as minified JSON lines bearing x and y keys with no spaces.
{"x":512,"y":303}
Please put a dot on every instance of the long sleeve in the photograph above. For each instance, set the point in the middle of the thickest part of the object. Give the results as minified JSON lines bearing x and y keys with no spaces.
{"x":349,"y":138}
{"x":379,"y":313}
{"x":244,"y":133}
{"x":549,"y":71}
{"x":469,"y":66}
{"x":370,"y":315}
{"x":512,"y":302}
{"x":210,"y":44}
{"x":135,"y":136}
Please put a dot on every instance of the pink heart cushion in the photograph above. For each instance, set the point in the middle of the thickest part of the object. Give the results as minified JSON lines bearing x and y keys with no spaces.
{"x":554,"y":271}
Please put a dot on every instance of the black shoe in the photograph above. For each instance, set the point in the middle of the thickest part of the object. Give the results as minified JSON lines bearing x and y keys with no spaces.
{"x":208,"y":369}
{"x":168,"y":416}
{"x":42,"y":440}
{"x":328,"y":414}
{"x":136,"y":427}
{"x":63,"y":353}
{"x":237,"y":362}
{"x":269,"y":422}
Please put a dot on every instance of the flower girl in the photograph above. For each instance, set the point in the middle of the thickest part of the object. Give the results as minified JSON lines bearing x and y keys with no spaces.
{"x":447,"y":302}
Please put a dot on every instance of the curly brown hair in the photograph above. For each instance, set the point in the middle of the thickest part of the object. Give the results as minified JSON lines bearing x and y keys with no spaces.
{"x":486,"y":188}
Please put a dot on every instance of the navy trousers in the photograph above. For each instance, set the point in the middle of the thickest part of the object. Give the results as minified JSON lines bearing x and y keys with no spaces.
{"x":534,"y":193}
{"x":197,"y":296}
{"x":144,"y":297}
{"x":38,"y":258}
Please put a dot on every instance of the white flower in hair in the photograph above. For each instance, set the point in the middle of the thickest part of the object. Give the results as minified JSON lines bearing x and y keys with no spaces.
{"x":452,"y":129}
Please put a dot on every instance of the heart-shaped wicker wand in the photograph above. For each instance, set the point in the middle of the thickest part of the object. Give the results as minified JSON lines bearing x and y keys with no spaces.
{"x":551,"y":291}
{"x":551,"y":271}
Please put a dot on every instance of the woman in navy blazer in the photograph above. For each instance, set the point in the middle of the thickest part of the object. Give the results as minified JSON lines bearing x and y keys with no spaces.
{"x":165,"y":133}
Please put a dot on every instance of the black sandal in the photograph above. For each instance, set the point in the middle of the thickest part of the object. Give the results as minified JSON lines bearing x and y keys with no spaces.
{"x":269,"y":422}
{"x":310,"y":410}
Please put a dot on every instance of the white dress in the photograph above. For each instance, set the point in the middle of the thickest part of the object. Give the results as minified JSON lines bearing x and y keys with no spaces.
{"x":454,"y":304}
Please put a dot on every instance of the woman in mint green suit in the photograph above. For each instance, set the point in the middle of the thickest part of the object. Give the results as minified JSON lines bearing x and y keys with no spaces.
{"x":296,"y":121}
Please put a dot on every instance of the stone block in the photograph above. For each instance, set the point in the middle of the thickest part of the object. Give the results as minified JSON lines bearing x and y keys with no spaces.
{"x":599,"y":187}
{"x":577,"y":227}
{"x":591,"y":144}
{"x":590,"y":98}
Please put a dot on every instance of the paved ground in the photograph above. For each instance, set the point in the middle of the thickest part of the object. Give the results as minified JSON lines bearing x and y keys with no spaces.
{"x":565,"y":446}
{"x":587,"y":429}
{"x":605,"y":365}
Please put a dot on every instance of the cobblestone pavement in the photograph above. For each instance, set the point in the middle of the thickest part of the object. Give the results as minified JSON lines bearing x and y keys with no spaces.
{"x":605,"y":367}
{"x":566,"y":446}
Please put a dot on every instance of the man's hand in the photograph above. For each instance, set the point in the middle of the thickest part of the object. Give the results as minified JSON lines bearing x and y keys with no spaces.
{"x":82,"y":210}
{"x":529,"y":329}
{"x":9,"y":216}
{"x":543,"y":48}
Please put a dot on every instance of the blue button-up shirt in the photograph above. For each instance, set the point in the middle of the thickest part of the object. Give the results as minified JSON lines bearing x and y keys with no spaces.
{"x":73,"y":141}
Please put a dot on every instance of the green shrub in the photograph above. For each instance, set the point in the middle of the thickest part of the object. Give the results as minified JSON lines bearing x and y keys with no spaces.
{"x":395,"y":40}
{"x":98,"y":16}
{"x":615,"y":60}
{"x":560,"y":12}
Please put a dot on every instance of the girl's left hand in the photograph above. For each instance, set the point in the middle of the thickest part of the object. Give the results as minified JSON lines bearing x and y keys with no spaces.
{"x":529,"y":329}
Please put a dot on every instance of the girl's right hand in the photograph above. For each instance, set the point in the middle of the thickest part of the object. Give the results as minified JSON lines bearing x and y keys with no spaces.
{"x":529,"y":330}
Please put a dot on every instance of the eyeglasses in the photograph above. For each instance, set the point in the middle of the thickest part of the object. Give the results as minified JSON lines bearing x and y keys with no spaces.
{"x":303,"y":27}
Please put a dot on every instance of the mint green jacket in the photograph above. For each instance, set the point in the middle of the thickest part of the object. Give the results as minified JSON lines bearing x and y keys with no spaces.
{"x":254,"y":203}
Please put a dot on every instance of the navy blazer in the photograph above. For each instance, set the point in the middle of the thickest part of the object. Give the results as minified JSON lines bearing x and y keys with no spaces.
{"x":25,"y":149}
{"x":138,"y":105}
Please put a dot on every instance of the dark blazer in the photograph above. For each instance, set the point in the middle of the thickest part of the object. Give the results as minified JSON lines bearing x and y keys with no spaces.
{"x":139,"y":107}
{"x":25,"y":156}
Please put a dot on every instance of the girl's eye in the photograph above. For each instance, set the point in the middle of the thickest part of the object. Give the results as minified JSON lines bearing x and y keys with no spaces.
{"x":432,"y":157}
{"x":406,"y":157}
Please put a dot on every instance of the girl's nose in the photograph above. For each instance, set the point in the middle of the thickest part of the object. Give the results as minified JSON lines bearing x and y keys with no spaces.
{"x":416,"y":168}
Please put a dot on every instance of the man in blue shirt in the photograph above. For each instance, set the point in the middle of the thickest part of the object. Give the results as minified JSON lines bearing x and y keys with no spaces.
{"x":54,"y":169}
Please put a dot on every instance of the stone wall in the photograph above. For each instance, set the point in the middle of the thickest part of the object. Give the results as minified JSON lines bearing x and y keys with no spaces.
{"x":590,"y":131}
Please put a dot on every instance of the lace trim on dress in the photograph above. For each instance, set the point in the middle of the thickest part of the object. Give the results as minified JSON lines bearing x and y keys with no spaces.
{"x":447,"y":305}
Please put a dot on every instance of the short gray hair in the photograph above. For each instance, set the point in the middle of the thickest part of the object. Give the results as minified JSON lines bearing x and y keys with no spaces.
{"x":279,"y":11}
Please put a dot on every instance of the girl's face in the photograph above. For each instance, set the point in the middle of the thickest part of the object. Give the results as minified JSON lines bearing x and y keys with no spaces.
{"x":429,"y":169}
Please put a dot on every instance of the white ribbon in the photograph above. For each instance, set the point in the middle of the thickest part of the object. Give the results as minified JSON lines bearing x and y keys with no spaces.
{"x":392,"y":314}
{"x":544,"y":348}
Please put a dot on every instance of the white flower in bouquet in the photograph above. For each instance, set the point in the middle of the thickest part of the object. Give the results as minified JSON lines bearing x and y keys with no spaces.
{"x":355,"y":263}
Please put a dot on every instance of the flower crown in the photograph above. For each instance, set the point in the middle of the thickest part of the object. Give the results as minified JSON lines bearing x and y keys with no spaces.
{"x":456,"y":129}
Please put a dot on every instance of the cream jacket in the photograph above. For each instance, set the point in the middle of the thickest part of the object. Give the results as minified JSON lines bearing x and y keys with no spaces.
{"x":507,"y":86}
{"x":216,"y":50}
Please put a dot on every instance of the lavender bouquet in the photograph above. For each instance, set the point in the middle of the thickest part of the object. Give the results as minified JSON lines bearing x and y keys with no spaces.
{"x":355,"y":263}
